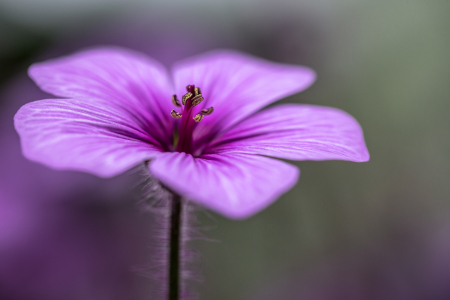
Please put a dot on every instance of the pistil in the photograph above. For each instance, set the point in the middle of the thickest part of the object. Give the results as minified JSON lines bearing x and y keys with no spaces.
{"x":188,"y":121}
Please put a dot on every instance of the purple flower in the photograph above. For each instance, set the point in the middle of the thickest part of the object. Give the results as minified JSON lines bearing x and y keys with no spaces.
{"x":211,"y":146}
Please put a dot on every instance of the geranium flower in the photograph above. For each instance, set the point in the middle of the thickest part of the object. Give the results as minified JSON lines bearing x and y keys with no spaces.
{"x":204,"y":130}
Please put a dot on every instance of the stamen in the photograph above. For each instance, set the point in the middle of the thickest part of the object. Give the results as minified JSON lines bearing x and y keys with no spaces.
{"x":183,"y":141}
{"x":197,"y":99}
{"x":186,"y":97}
{"x":175,"y":114}
{"x":198,"y":117}
{"x":207,"y":111}
{"x":175,"y":101}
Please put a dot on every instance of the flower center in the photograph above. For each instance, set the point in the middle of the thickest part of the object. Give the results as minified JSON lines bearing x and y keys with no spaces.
{"x":188,"y":119}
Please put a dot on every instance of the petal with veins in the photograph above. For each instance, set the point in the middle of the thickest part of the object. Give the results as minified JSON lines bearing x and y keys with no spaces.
{"x":298,"y":132}
{"x":234,"y":185}
{"x":122,"y":77}
{"x":82,"y":135}
{"x":237,"y":85}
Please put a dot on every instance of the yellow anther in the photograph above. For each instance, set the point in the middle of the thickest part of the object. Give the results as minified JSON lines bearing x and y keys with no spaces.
{"x":175,"y":114}
{"x":197,"y":91}
{"x":186,"y":97}
{"x":197,"y":99}
{"x":207,"y":111}
{"x":198,"y":117}
{"x":175,"y":101}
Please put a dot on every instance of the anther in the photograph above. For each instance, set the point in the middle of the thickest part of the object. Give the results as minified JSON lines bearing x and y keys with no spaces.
{"x":207,"y":111}
{"x":188,"y":88}
{"x":175,"y":101}
{"x":197,"y":99}
{"x":186,"y":97}
{"x":197,"y":91}
{"x":198,"y":117}
{"x":175,"y":114}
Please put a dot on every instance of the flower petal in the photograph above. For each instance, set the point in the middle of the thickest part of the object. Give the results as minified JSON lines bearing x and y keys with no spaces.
{"x":298,"y":132}
{"x":119,"y":76}
{"x":234,"y":185}
{"x":237,"y":85}
{"x":82,"y":135}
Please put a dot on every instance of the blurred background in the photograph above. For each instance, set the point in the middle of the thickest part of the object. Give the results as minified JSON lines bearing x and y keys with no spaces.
{"x":376,"y":230}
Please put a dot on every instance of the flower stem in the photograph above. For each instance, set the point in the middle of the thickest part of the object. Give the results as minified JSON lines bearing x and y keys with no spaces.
{"x":174,"y":251}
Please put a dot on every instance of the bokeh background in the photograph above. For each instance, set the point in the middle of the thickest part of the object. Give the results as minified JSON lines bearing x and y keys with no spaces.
{"x":376,"y":230}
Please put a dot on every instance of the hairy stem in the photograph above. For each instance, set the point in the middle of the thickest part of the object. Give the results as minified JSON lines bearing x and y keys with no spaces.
{"x":174,"y":251}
